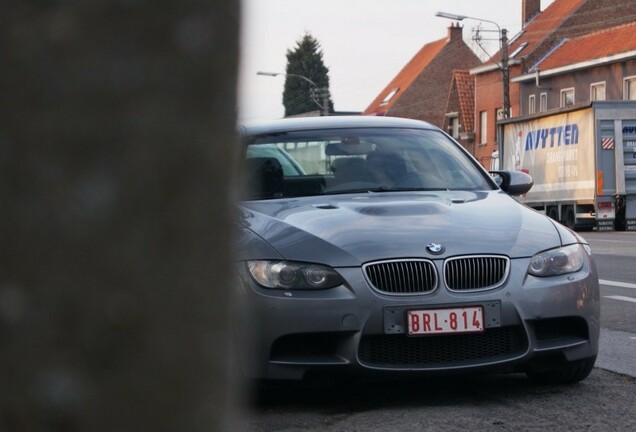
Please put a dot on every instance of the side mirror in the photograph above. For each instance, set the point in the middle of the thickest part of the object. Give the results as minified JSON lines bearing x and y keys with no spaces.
{"x":513,"y":182}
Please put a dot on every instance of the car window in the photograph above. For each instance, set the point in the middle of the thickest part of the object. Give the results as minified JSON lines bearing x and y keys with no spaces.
{"x":289,"y":165}
{"x":360,"y":160}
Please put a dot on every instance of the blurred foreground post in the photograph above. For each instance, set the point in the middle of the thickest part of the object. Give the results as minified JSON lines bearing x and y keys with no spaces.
{"x":116,"y":148}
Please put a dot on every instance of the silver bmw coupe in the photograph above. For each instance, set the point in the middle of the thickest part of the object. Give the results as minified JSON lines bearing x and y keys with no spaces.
{"x":375,"y":245}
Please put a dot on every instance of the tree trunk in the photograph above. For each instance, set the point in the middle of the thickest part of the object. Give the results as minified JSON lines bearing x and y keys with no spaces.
{"x":116,"y":145}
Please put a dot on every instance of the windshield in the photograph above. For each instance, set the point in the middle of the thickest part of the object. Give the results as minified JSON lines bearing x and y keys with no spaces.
{"x":357,"y":160}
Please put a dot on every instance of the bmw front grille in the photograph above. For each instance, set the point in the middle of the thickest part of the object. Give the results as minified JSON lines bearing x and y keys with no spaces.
{"x":476,"y":273}
{"x":402,"y":276}
{"x":419,"y":276}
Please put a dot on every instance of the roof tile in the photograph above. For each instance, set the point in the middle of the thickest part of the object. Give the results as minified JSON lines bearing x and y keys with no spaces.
{"x":407,"y":75}
{"x":544,"y":24}
{"x":605,"y":43}
{"x":465,"y":85}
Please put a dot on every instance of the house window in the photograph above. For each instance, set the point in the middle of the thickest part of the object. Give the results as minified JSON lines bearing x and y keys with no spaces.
{"x":389,"y":96}
{"x":629,"y":90}
{"x":597,"y":91}
{"x":453,"y":127}
{"x":532,"y":104}
{"x":519,"y":49}
{"x":567,"y":97}
{"x":483,"y":127}
{"x":499,"y":115}
{"x":543,"y":102}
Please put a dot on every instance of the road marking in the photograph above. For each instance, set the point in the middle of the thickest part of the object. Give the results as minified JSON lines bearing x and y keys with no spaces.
{"x":629,"y":299}
{"x":613,"y":241}
{"x":618,"y":284}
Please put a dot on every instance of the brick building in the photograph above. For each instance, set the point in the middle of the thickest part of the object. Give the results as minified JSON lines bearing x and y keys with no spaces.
{"x":542,"y":33}
{"x":459,"y":119}
{"x":420,"y":89}
{"x":434,"y":86}
{"x":597,"y":66}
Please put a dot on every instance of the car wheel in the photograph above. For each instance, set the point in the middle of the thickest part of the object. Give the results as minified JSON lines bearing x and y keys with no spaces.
{"x":572,"y":373}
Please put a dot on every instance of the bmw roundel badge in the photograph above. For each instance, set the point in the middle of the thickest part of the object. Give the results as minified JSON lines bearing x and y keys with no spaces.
{"x":435,"y":248}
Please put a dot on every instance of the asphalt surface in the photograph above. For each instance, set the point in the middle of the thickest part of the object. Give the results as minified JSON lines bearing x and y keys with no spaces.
{"x":615,"y":253}
{"x":617,"y":352}
{"x":605,"y":401}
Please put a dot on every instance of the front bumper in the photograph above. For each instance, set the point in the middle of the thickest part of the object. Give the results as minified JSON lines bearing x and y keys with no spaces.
{"x":352,"y":327}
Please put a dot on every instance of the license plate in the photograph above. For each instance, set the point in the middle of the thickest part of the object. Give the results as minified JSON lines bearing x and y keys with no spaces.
{"x":441,"y":321}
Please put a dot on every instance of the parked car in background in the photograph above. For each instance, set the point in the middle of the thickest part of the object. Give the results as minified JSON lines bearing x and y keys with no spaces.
{"x":392,"y":251}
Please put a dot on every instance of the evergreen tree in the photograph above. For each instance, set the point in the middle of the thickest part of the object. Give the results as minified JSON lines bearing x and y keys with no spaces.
{"x":305,"y":64}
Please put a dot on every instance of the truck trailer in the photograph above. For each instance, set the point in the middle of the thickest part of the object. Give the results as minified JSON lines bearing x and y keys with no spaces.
{"x":583,"y":162}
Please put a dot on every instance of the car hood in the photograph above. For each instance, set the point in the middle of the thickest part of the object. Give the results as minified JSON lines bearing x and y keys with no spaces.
{"x":349,"y":230}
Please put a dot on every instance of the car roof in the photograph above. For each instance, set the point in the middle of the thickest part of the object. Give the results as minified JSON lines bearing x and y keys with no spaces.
{"x":330,"y":122}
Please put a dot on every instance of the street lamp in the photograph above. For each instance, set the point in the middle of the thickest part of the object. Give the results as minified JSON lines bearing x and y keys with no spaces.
{"x":314,"y":89}
{"x":505,"y":70}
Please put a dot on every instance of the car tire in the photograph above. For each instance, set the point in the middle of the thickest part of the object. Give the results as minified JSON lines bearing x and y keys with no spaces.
{"x":572,"y":373}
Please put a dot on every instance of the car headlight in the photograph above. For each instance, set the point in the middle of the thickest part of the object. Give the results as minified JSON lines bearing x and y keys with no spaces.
{"x":567,"y":259}
{"x":293,"y":275}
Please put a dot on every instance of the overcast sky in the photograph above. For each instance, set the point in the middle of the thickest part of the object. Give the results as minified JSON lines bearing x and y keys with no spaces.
{"x":365,"y":43}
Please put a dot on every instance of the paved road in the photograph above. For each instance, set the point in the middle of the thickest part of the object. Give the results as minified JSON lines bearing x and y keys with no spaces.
{"x":605,"y":401}
{"x":615,"y":254}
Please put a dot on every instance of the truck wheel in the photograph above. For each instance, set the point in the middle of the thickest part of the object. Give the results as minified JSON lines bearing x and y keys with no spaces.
{"x":620,"y":223}
{"x":569,"y":220}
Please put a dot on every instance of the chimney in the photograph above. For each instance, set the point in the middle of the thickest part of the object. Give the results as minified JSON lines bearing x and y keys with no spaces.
{"x":529,"y":8}
{"x":455,"y":32}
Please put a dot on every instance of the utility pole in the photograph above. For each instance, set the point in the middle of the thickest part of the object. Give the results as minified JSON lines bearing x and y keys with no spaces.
{"x":325,"y":101}
{"x":313,"y":92}
{"x":505,"y":70}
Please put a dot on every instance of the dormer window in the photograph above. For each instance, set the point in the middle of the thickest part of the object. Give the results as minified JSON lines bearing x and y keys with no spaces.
{"x":389,"y":96}
{"x":519,"y":49}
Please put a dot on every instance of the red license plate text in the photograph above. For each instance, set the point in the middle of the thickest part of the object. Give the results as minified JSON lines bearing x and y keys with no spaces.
{"x":440,"y":321}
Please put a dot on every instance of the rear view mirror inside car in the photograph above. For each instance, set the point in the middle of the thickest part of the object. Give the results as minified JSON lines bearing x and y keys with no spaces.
{"x":348,"y":146}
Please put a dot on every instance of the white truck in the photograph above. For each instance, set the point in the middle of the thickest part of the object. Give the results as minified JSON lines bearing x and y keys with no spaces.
{"x":582,"y":160}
